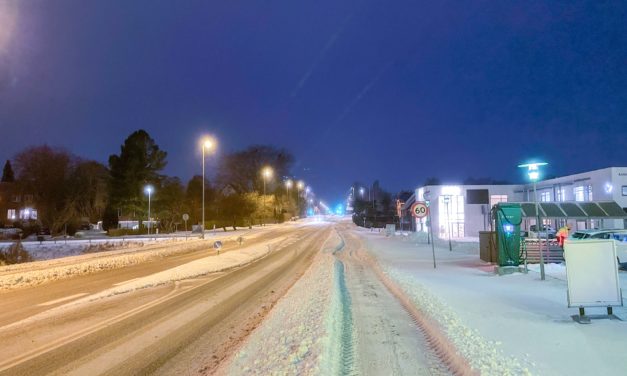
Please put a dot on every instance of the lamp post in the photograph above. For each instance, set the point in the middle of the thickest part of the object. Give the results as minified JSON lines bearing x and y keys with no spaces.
{"x":534,"y":175}
{"x":426,"y":197}
{"x":288,"y":185}
{"x":447,"y":199}
{"x":361,"y":191}
{"x":207,"y":144}
{"x":299,"y":186}
{"x":266,"y":173}
{"x":148,"y":190}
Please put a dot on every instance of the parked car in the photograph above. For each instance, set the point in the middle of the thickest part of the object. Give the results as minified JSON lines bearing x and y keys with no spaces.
{"x":542,"y":234}
{"x":618,"y":235}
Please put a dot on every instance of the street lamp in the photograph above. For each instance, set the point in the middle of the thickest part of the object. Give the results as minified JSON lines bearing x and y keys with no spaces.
{"x":534,"y":175}
{"x":266,"y":173}
{"x":299,"y":185}
{"x":288,"y":185}
{"x":361,"y":191}
{"x":447,"y":199}
{"x":148,"y":190}
{"x":208,"y":144}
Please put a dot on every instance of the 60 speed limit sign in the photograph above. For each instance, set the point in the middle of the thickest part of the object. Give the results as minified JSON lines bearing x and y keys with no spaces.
{"x":419,"y":209}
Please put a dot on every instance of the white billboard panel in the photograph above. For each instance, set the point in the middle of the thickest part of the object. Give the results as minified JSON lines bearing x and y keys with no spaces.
{"x":592,"y":273}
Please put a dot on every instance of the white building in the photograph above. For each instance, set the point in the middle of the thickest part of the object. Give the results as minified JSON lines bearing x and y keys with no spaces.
{"x":464,"y":210}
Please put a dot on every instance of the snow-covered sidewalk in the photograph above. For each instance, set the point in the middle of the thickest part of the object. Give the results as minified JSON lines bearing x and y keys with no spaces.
{"x":508,"y":324}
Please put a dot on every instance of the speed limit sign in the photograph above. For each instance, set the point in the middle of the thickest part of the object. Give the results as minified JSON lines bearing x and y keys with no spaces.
{"x":419,"y":209}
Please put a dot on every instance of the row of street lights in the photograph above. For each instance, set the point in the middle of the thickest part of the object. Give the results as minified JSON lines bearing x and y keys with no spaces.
{"x":208,"y":144}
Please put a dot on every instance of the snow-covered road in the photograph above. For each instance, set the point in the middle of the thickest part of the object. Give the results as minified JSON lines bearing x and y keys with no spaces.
{"x":340,"y":319}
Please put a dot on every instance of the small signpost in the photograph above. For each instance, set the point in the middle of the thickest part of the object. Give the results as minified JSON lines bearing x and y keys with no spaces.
{"x":217,"y":245}
{"x":420,"y":209}
{"x":185,"y":218}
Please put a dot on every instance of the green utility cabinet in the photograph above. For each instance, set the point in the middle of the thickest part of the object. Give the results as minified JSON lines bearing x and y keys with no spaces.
{"x":507,"y":218}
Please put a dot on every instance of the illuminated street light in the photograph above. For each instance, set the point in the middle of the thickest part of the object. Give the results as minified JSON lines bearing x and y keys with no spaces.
{"x":208,"y":144}
{"x":266,"y":172}
{"x":534,"y":175}
{"x":288,"y":185}
{"x":148,"y":190}
{"x":299,"y":185}
{"x":362,"y":191}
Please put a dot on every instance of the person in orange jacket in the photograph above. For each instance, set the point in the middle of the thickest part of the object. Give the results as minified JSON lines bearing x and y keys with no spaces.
{"x":562,"y":234}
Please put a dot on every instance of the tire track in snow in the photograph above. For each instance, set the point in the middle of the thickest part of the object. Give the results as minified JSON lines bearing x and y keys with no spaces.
{"x":346,"y":338}
{"x":347,"y":360}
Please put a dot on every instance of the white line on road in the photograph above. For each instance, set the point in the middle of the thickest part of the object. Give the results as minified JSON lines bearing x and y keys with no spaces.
{"x":53,"y":302}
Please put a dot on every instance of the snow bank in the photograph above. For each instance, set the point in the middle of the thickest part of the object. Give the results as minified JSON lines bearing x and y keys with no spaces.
{"x":292,"y":338}
{"x":36,"y":273}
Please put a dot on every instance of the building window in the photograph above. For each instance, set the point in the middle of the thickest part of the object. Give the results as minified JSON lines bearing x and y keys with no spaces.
{"x":11,"y":214}
{"x":15,"y":198}
{"x":545,"y":196}
{"x":28,"y":198}
{"x":451,"y":216}
{"x":579,"y":193}
{"x":495,"y":199}
{"x":560,"y":194}
{"x":28,"y":214}
{"x":589,"y":192}
{"x":624,"y":190}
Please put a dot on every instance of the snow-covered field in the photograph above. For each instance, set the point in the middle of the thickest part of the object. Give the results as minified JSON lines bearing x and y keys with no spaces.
{"x":509,"y":324}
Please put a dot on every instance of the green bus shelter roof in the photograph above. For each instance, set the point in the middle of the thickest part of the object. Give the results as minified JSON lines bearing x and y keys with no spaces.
{"x":579,"y":210}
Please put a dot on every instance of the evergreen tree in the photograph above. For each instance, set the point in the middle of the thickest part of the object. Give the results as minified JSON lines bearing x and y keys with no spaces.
{"x":138,"y":164}
{"x":7,"y":173}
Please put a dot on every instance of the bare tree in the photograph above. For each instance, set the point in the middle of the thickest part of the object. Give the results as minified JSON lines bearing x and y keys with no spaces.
{"x":242,"y":170}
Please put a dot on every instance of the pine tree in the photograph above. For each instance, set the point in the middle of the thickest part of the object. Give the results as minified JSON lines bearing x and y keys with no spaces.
{"x":7,"y":173}
{"x":139,"y":163}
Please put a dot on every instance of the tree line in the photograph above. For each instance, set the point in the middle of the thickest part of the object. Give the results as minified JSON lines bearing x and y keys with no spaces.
{"x":69,"y":191}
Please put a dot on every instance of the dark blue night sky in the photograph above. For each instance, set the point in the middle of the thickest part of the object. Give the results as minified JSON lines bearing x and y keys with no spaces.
{"x":394,"y":90}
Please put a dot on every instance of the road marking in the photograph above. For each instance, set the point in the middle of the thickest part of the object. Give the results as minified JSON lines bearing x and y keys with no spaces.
{"x":53,"y":302}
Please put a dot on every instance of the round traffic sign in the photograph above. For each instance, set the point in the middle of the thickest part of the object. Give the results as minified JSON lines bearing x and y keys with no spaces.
{"x":185,"y":217}
{"x":419,"y":209}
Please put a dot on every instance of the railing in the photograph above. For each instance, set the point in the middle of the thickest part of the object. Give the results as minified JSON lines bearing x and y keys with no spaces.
{"x":551,"y":251}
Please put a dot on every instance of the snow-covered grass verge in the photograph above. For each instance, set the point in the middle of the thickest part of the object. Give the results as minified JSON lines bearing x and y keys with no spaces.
{"x":36,"y":273}
{"x":292,"y":338}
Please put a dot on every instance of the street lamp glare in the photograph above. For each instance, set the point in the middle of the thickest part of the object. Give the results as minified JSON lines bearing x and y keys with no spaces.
{"x":148,"y":189}
{"x":208,"y":143}
{"x":267,"y":172}
{"x":300,"y":184}
{"x":288,"y":183}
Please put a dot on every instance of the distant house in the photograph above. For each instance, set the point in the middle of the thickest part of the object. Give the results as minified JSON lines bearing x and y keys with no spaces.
{"x":14,"y":205}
